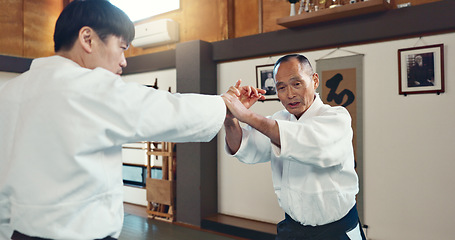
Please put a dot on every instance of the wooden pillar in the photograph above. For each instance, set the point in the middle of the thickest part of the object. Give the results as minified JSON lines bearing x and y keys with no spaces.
{"x":196,"y":162}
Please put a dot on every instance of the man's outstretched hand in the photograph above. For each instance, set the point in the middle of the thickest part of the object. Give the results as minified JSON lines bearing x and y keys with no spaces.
{"x":239,"y":99}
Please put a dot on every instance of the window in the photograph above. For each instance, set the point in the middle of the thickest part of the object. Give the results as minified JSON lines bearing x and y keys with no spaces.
{"x":134,"y":175}
{"x":142,"y":9}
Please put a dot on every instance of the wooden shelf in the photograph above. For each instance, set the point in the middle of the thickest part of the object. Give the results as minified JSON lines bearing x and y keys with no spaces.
{"x":329,"y":14}
{"x":142,"y":165}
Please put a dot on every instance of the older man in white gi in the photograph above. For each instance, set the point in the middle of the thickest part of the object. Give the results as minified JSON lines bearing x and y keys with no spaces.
{"x":310,"y":148}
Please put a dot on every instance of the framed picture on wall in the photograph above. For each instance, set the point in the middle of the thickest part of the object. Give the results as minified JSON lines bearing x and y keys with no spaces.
{"x":264,"y":80}
{"x":421,"y":69}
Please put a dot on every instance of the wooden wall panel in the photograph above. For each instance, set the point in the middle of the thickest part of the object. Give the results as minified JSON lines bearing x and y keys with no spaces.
{"x":29,"y":24}
{"x":11,"y":23}
{"x":204,"y":20}
{"x":246,"y":17}
{"x":39,"y":27}
{"x":271,"y":11}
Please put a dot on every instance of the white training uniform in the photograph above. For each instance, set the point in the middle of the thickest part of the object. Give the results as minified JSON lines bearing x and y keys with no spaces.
{"x":62,"y":127}
{"x":313,"y":171}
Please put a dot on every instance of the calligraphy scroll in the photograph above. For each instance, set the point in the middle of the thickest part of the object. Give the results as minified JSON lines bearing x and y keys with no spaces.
{"x":340,"y":84}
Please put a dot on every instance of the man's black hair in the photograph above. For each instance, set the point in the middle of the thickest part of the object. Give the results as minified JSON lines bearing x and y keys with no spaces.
{"x":103,"y":17}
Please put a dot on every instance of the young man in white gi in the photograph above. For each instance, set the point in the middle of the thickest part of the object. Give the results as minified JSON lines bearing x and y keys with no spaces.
{"x":310,"y":148}
{"x":64,"y":121}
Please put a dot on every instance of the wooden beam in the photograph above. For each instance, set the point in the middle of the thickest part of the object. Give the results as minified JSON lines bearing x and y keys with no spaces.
{"x":14,"y":64}
{"x":230,"y":19}
{"x":150,"y":62}
{"x":260,"y":18}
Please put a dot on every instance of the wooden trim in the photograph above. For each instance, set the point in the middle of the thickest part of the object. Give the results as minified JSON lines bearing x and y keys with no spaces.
{"x":230,"y":19}
{"x":375,"y":27}
{"x":14,"y":64}
{"x":260,"y":16}
{"x":150,"y":62}
{"x":256,"y":225}
{"x":141,"y":165}
{"x":241,"y":227}
{"x":158,"y":153}
{"x":135,"y":165}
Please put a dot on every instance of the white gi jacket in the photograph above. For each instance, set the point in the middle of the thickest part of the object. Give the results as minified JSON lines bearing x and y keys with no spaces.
{"x":62,"y":127}
{"x":313,"y":172}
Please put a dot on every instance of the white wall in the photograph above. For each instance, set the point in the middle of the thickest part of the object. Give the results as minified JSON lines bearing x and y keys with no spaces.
{"x":166,"y":78}
{"x":245,"y":190}
{"x":409,"y":144}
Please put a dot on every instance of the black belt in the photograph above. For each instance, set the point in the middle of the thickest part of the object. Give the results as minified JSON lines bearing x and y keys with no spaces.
{"x":20,"y":236}
{"x":346,"y":223}
{"x":291,"y":229}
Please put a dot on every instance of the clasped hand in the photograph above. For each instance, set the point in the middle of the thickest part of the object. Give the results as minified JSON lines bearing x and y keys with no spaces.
{"x":239,"y":99}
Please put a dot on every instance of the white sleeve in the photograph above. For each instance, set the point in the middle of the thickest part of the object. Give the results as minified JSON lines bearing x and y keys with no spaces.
{"x":323,"y":141}
{"x":254,"y":148}
{"x":132,"y":112}
{"x":181,"y":117}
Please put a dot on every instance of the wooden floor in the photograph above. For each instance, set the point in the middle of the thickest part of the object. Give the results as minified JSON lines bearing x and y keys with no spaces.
{"x":241,"y":227}
{"x":137,"y":226}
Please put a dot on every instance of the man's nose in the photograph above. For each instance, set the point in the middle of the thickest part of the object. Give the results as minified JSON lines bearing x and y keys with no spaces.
{"x":290,"y":92}
{"x":123,"y":62}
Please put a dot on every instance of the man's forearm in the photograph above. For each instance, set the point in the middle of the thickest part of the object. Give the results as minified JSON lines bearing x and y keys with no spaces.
{"x":266,"y":126}
{"x":233,"y":134}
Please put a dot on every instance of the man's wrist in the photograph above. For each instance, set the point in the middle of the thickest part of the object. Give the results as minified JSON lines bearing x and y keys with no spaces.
{"x":229,"y":121}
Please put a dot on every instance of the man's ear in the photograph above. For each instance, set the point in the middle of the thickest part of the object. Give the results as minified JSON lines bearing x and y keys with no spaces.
{"x":85,"y":38}
{"x":316,"y":80}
